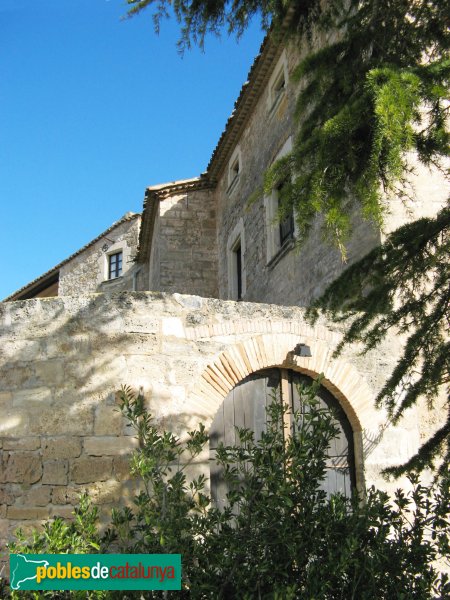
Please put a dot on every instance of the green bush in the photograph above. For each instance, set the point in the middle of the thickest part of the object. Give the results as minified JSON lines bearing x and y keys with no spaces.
{"x":280,"y":536}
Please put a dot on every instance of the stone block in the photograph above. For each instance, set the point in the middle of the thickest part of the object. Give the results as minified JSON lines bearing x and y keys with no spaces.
{"x":61,"y":447}
{"x":75,"y":419}
{"x":22,"y":443}
{"x":101,"y":446}
{"x":121,"y":468}
{"x":90,"y":470}
{"x":65,"y":512}
{"x":108,"y":421}
{"x":14,"y":422}
{"x":21,"y":467}
{"x":27,"y":512}
{"x":41,"y":395}
{"x":5,"y":400}
{"x":4,"y":526}
{"x":173,"y":326}
{"x":7,"y":495}
{"x":106,"y":492}
{"x":38,"y":495}
{"x":55,"y":472}
{"x":65,"y":495}
{"x":50,"y":372}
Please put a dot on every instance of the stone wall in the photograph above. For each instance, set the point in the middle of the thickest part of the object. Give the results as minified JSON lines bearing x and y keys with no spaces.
{"x":297,"y":276}
{"x":184,"y":247}
{"x":63,"y":361}
{"x":88,"y":271}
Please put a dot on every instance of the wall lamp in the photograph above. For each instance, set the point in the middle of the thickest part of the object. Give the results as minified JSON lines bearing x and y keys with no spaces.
{"x":302,"y":350}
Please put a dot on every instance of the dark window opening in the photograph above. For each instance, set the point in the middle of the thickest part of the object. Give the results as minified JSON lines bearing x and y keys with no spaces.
{"x":286,"y":225}
{"x":238,"y":253}
{"x":115,"y":265}
{"x":279,"y":86}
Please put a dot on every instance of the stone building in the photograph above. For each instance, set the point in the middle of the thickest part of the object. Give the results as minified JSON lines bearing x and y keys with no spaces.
{"x":200,"y":302}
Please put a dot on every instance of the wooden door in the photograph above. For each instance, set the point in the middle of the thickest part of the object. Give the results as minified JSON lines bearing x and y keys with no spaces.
{"x":245,"y":406}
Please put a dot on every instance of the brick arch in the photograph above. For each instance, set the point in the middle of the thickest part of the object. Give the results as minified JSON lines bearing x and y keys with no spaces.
{"x":258,"y":352}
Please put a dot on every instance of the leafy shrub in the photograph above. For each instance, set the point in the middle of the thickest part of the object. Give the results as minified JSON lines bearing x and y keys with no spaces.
{"x":280,"y":536}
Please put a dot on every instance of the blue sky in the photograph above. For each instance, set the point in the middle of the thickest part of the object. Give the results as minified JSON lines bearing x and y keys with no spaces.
{"x":93,"y":109}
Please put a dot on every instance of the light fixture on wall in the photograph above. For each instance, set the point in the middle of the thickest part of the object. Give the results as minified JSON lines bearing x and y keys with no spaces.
{"x":302,"y":350}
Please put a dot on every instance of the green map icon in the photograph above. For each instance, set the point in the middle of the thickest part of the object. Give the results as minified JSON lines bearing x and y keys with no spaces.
{"x":23,"y":569}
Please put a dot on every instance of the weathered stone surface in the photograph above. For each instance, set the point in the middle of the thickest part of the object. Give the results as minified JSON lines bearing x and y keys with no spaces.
{"x":37,"y":495}
{"x":108,"y":421}
{"x":50,"y":371}
{"x":21,"y":467}
{"x":61,"y":447}
{"x":22,"y":443}
{"x":91,"y":470}
{"x":55,"y":472}
{"x":106,"y":492}
{"x":56,"y":420}
{"x":184,"y":379}
{"x":104,"y":446}
{"x":27,"y":512}
{"x":121,"y":468}
{"x":87,"y":271}
{"x":65,"y":512}
{"x":39,"y":395}
{"x":65,"y":495}
{"x":7,"y":495}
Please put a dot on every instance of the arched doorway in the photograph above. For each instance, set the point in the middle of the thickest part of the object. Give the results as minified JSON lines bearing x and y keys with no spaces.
{"x":245,"y":406}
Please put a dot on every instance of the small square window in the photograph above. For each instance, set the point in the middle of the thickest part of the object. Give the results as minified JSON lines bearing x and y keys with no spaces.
{"x":115,"y":265}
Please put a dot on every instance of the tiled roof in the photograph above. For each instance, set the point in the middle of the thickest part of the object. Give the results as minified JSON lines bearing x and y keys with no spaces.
{"x":50,"y":276}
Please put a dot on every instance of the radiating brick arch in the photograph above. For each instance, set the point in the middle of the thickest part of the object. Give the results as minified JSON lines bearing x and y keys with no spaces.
{"x":241,"y":359}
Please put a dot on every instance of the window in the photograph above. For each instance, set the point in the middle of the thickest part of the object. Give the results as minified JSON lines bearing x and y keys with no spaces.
{"x":234,"y":169}
{"x":277,"y":83}
{"x":245,"y":406}
{"x":115,"y":265}
{"x":236,"y":263}
{"x":278,"y":87}
{"x":286,"y":226}
{"x":280,"y":234}
{"x":237,"y":251}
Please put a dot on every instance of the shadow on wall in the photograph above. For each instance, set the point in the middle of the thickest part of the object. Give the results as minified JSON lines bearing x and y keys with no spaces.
{"x":62,"y":363}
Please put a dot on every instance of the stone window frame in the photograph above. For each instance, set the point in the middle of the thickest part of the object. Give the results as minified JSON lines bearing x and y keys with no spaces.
{"x":236,"y":239}
{"x":115,"y":267}
{"x":278,"y":83}
{"x":107,"y":252}
{"x":274,"y":249}
{"x":234,"y":170}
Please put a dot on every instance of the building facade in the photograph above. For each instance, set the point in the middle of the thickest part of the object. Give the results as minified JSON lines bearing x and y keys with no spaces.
{"x":199,"y":302}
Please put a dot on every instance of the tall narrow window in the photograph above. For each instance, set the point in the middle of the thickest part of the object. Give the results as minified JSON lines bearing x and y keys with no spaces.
{"x":236,"y":259}
{"x":238,"y":252}
{"x":286,"y":222}
{"x":115,"y":265}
